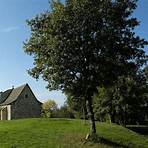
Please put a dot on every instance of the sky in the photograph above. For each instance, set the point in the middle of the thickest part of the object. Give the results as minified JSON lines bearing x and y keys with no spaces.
{"x":14,"y":31}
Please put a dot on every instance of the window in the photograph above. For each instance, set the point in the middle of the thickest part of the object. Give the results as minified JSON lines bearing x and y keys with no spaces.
{"x":26,"y":96}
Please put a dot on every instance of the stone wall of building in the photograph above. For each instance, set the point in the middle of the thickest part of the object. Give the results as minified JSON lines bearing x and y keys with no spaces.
{"x":26,"y":106}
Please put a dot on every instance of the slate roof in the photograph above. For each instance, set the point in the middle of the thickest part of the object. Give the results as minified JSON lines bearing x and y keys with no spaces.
{"x":4,"y":95}
{"x":11,"y":95}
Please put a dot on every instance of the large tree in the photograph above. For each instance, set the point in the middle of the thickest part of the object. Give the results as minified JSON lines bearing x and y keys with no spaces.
{"x":82,"y":44}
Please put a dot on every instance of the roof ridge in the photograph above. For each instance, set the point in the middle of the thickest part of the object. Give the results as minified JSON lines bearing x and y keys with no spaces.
{"x":15,"y":93}
{"x":5,"y":95}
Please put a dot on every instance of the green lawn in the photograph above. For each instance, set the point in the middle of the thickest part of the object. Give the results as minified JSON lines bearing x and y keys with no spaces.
{"x":62,"y":133}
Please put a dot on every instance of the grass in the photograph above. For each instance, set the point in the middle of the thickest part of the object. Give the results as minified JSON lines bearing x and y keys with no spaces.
{"x":64,"y":133}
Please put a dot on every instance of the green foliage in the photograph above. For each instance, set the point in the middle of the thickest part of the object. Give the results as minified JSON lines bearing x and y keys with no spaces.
{"x":49,"y":108}
{"x":124,"y":103}
{"x":146,"y":72}
{"x":77,"y":106}
{"x":65,"y":112}
{"x":71,"y":49}
{"x":81,"y":45}
{"x":102,"y":104}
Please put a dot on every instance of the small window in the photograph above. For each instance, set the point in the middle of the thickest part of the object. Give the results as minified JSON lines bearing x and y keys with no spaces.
{"x":26,"y":96}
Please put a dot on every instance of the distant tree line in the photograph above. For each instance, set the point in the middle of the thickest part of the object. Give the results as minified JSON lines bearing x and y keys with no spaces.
{"x":126,"y":102}
{"x":50,"y":109}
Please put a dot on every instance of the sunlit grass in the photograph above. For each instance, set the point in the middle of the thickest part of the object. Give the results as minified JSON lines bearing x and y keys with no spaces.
{"x":63,"y":133}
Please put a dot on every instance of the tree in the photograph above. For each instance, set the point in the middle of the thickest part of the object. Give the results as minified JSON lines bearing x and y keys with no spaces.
{"x":124,"y":102}
{"x":80,"y":45}
{"x":103,"y":105}
{"x":78,"y":106}
{"x":146,"y":73}
{"x":49,"y":108}
{"x":65,"y":112}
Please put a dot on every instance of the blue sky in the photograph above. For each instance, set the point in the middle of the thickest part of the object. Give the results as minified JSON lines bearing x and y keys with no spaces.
{"x":14,"y":31}
{"x":13,"y":61}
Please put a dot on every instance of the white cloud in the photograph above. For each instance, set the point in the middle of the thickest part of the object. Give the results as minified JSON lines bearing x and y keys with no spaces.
{"x":9,"y":29}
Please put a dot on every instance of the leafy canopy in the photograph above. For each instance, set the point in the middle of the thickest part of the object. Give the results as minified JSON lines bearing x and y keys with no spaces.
{"x":82,"y":44}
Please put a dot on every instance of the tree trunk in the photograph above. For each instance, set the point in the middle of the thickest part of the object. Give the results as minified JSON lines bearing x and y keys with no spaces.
{"x":85,"y":114}
{"x":112,"y":116}
{"x":91,"y":115}
{"x":85,"y":111}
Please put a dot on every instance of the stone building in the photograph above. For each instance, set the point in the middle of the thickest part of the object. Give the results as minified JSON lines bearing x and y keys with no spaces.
{"x":19,"y":103}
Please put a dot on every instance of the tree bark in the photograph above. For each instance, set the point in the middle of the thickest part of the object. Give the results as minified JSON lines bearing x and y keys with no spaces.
{"x":91,"y":115}
{"x":112,"y":116}
{"x":85,"y":111}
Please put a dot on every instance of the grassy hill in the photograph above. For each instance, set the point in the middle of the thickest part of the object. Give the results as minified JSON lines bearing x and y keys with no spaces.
{"x":62,"y":133}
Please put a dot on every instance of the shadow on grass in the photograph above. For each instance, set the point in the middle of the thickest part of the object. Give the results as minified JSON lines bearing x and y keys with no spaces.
{"x":143,"y":130}
{"x":113,"y":144}
{"x":101,"y":140}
